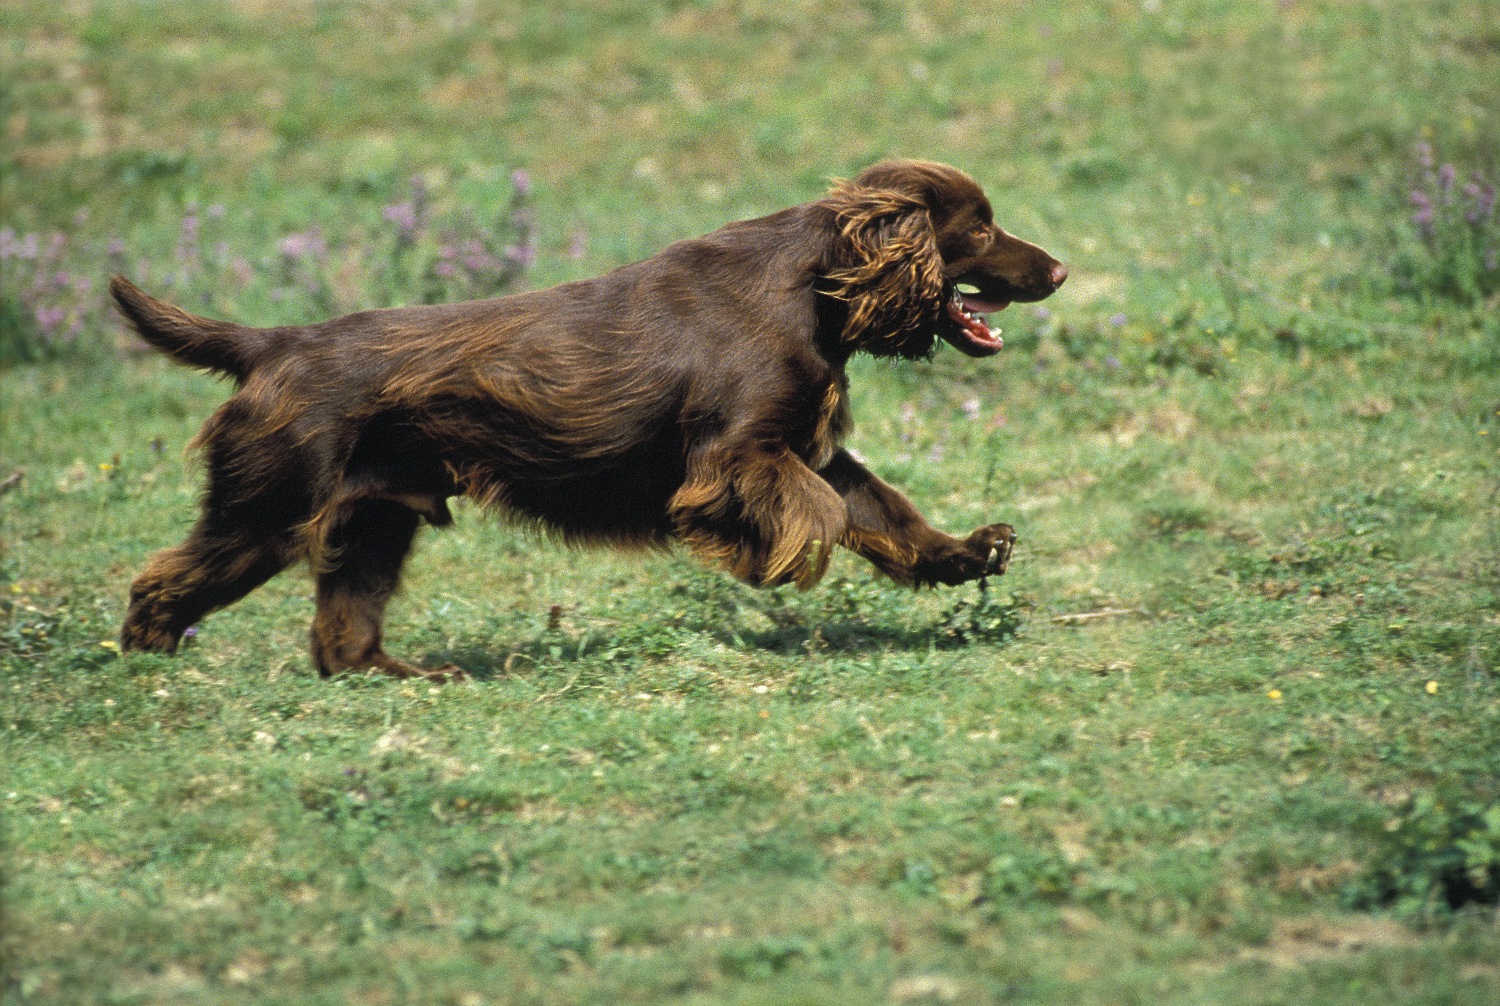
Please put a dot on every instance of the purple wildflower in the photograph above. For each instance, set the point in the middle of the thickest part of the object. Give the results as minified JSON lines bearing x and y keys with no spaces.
{"x":1042,"y":313}
{"x":115,"y":247}
{"x":1112,"y":362}
{"x":522,"y":254}
{"x":404,"y":216}
{"x":304,"y":245}
{"x":1484,"y":203}
{"x":1446,"y":174}
{"x":8,"y":244}
{"x":1425,"y":155}
{"x":578,"y":246}
{"x":447,"y":270}
{"x":1424,"y":214}
{"x":190,"y":632}
{"x":48,"y":318}
{"x":189,"y":233}
{"x":216,"y":211}
{"x":1118,"y":320}
{"x":1472,"y":192}
{"x":520,"y":179}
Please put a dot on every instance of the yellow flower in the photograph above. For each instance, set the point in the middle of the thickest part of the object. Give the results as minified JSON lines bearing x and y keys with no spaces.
{"x":109,"y":644}
{"x":1432,"y":688}
{"x":1274,"y":695}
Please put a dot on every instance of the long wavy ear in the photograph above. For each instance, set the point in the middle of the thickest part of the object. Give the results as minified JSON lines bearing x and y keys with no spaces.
{"x":887,"y":268}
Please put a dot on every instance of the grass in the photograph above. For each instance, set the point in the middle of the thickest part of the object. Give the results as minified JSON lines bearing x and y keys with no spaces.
{"x":1227,"y":731}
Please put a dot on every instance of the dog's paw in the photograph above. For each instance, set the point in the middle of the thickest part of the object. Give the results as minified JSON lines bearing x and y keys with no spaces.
{"x":383,"y":663}
{"x":991,"y":546}
{"x":446,"y":674}
{"x":985,"y":552}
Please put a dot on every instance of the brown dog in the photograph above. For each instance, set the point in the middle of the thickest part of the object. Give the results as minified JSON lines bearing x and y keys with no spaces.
{"x":697,"y":396}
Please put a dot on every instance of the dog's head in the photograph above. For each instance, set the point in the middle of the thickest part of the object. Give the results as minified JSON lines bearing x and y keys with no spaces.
{"x":919,"y":255}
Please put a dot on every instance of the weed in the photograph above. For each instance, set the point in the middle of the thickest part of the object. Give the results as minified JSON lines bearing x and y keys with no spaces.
{"x":1452,"y":249}
{"x":1023,"y":873}
{"x":993,"y":617}
{"x":46,"y":296}
{"x":1439,"y":854}
{"x":50,"y":306}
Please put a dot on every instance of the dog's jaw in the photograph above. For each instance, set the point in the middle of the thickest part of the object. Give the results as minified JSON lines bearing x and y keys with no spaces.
{"x":964,"y":326}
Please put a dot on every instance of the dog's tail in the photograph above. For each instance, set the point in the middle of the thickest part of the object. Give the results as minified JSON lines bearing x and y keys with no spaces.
{"x":199,"y":342}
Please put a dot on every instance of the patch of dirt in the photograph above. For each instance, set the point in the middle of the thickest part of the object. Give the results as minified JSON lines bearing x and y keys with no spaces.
{"x":1296,"y":943}
{"x":1318,"y":879}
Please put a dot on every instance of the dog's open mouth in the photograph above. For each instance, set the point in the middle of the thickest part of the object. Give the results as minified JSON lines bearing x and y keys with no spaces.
{"x":969,"y":331}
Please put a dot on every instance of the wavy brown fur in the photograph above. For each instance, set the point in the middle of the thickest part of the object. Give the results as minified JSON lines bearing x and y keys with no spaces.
{"x":894,"y":287}
{"x":699,"y":396}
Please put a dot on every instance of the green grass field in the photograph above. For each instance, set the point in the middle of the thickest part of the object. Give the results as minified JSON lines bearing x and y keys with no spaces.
{"x":1228,"y":732}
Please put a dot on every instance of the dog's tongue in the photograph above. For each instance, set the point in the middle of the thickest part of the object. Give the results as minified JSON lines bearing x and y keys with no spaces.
{"x":974,"y":336}
{"x":978,"y":305}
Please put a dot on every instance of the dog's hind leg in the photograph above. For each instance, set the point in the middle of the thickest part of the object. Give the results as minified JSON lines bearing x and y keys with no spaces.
{"x":212,"y":569}
{"x":365,"y":549}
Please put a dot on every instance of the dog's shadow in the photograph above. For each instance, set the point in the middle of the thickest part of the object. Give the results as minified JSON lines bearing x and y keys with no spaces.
{"x":737,"y":620}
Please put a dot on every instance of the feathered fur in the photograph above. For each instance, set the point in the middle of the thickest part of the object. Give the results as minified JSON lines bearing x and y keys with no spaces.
{"x":698,"y":396}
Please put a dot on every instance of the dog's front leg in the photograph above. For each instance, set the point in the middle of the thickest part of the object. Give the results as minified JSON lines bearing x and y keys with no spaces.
{"x":887,"y":530}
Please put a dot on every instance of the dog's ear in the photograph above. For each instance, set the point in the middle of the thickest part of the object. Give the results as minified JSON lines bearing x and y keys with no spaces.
{"x":885,"y":265}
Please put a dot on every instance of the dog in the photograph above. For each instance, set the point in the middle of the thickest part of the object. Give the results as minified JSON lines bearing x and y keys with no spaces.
{"x":698,"y":396}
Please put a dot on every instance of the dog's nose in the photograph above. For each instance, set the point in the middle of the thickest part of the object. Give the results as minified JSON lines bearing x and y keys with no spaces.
{"x":1058,"y":274}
